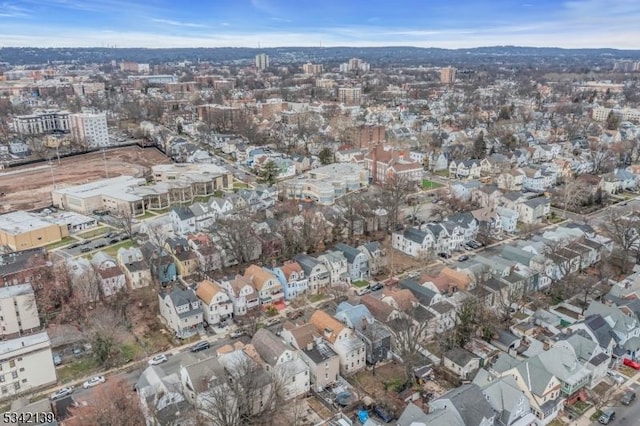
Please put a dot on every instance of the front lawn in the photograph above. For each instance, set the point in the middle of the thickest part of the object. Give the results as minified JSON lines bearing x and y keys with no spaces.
{"x":360,"y":283}
{"x":95,"y":232}
{"x":315,"y":297}
{"x":113,"y":250}
{"x":63,"y":242}
{"x":77,"y":369}
{"x":429,"y":184}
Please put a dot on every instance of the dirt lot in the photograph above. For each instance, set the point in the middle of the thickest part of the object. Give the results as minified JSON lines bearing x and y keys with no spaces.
{"x":29,"y":187}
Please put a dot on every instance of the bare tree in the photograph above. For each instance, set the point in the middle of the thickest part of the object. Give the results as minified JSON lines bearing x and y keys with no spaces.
{"x":245,"y":395}
{"x":111,"y":404}
{"x":573,"y":194}
{"x":104,"y":329}
{"x":625,"y":233}
{"x":124,"y":221}
{"x":394,"y":191}
{"x":410,"y":331}
{"x":237,"y":237}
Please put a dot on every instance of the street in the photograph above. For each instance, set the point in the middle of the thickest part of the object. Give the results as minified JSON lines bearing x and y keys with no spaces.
{"x":626,"y":415}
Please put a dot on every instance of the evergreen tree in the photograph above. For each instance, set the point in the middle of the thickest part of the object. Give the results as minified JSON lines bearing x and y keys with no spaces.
{"x":269,"y":173}
{"x":326,"y":156}
{"x":480,"y":146}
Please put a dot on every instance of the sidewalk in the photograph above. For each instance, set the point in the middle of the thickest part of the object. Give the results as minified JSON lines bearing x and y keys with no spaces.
{"x":585,"y":419}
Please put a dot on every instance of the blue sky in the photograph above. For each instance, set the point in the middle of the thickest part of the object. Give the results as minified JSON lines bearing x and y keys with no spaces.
{"x":271,"y":23}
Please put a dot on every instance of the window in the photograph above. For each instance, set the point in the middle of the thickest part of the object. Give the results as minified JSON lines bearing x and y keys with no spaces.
{"x":14,"y":374}
{"x":1,"y":378}
{"x":16,"y":386}
{"x":12,"y":363}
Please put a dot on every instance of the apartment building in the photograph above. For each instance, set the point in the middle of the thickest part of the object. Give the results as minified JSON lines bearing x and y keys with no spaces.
{"x":42,"y":122}
{"x":90,"y":129}
{"x":310,"y":68}
{"x":262,"y":61}
{"x":448,"y":75}
{"x":350,"y":95}
{"x":18,"y":311}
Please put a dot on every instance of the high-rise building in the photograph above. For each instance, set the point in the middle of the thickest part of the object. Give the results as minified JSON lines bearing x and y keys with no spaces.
{"x":262,"y":61}
{"x":355,"y":64}
{"x":448,"y":75}
{"x":310,"y":68}
{"x":90,"y":129}
{"x":350,"y":95}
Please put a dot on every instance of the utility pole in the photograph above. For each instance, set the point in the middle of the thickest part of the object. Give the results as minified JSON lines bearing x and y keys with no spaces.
{"x":104,"y":158}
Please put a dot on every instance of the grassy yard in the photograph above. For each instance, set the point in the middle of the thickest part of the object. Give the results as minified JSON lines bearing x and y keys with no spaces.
{"x":429,"y":184}
{"x":240,"y":185}
{"x":95,"y":232}
{"x":147,"y":215}
{"x":113,"y":250}
{"x":63,"y":242}
{"x":627,"y":371}
{"x":360,"y":283}
{"x":557,"y":422}
{"x":443,"y":173}
{"x":77,"y":369}
{"x":315,"y":297}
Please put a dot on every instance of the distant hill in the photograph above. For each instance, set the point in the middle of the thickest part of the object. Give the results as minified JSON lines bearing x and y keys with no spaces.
{"x":375,"y":55}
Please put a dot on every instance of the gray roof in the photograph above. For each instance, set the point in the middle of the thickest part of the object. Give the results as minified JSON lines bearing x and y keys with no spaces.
{"x":423,"y":294}
{"x":470,"y":403}
{"x":350,"y":253}
{"x":462,"y":219}
{"x":601,"y":329}
{"x":415,"y":235}
{"x":268,"y":346}
{"x":181,"y":297}
{"x":504,"y":396}
{"x":459,"y":356}
{"x":320,"y":352}
{"x":306,"y":262}
{"x":538,"y":201}
{"x":183,"y":213}
{"x":412,"y":415}
{"x":353,"y":315}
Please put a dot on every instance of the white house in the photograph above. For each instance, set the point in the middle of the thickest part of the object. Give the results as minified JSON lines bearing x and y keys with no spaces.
{"x":509,"y":218}
{"x":242,"y":293}
{"x":216,"y":304}
{"x":336,"y":264}
{"x":183,"y":220}
{"x":181,"y":310}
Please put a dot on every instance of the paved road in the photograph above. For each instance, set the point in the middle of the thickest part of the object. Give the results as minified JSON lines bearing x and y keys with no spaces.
{"x":626,"y":415}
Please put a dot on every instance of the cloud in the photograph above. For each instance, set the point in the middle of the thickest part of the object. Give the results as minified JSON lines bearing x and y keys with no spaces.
{"x":11,"y":10}
{"x":178,"y":23}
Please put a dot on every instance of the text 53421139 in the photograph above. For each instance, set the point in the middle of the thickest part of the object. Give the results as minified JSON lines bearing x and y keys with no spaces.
{"x":14,"y":418}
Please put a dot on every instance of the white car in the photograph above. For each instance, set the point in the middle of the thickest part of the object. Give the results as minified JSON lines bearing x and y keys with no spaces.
{"x":158,"y":359}
{"x":61,"y":393}
{"x":94,"y":381}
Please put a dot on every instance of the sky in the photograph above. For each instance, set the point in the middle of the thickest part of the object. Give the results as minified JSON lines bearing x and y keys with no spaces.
{"x":274,"y":23}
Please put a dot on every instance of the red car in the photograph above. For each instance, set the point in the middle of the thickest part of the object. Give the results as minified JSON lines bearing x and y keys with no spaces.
{"x":631,"y":363}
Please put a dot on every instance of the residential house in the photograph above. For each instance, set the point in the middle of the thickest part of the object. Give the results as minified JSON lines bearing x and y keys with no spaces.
{"x":402,"y":299}
{"x":588,"y":354}
{"x":466,"y":169}
{"x":316,"y":272}
{"x":183,"y":220}
{"x":611,"y":183}
{"x":283,"y":362}
{"x":467,"y":225}
{"x":414,"y":242}
{"x":186,"y":260}
{"x":508,"y":218}
{"x":357,"y":262}
{"x":323,"y":362}
{"x":162,"y":265}
{"x":445,"y":315}
{"x":209,"y":256}
{"x":265,"y":283}
{"x":494,"y":164}
{"x":511,"y":180}
{"x":376,"y":256}
{"x":467,"y":406}
{"x":181,"y":310}
{"x":135,"y":269}
{"x":204,"y":215}
{"x":506,"y":399}
{"x":216,"y":304}
{"x":381,"y":311}
{"x":535,"y":180}
{"x":462,"y":190}
{"x":336,"y":264}
{"x":198,"y":376}
{"x":350,"y":349}
{"x":486,"y":195}
{"x":462,"y":363}
{"x":242,"y":293}
{"x":221,"y":207}
{"x":438,"y":161}
{"x":112,"y":277}
{"x":292,"y":278}
{"x":376,"y":336}
{"x":540,"y":386}
{"x":534,"y":210}
{"x":161,"y":397}
{"x":628,"y":180}
{"x":624,"y":326}
{"x":489,"y":223}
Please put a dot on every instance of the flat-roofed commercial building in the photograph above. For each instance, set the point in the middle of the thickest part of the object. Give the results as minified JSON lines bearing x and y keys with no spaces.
{"x":22,"y":230}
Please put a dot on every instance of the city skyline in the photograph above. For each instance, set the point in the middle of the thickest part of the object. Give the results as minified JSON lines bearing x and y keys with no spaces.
{"x":275,"y":23}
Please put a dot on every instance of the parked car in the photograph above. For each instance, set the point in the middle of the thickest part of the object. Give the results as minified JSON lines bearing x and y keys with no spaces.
{"x":236,"y":334}
{"x":377,"y":286}
{"x":606,"y":417}
{"x":616,"y":377}
{"x":463,"y":258}
{"x":631,"y":363}
{"x":61,"y":393}
{"x":158,"y":359}
{"x":57,"y":359}
{"x":74,"y":245}
{"x":200,"y":346}
{"x":94,"y":381}
{"x":628,"y":397}
{"x":295,"y":314}
{"x":382,"y":413}
{"x":85,"y":249}
{"x":444,"y":255}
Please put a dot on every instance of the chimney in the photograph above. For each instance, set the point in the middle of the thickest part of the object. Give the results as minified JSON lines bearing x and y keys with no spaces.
{"x":364,"y":323}
{"x":310,"y":346}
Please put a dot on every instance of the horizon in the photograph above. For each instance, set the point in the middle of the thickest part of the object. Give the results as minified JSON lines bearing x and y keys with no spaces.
{"x":466,"y":24}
